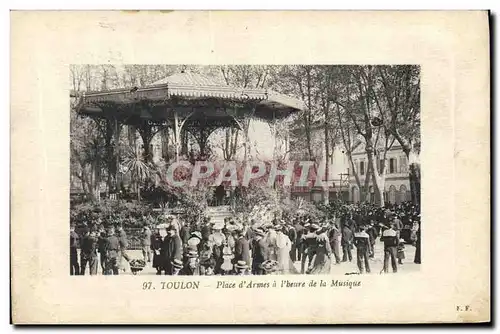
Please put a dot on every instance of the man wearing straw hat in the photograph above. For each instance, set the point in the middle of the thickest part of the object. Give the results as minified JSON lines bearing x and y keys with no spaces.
{"x":176,"y":266}
{"x":241,"y":268}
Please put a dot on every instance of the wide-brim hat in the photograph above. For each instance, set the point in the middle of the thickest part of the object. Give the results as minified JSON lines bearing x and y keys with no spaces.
{"x":231,"y":227}
{"x":177,"y":263}
{"x":218,"y":226}
{"x":269,"y":265}
{"x":259,"y":232}
{"x":193,"y":241}
{"x":241,"y":265}
{"x":314,"y":227}
{"x":196,"y":234}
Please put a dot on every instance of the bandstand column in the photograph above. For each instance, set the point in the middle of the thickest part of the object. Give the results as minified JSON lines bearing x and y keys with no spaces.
{"x":177,"y":135}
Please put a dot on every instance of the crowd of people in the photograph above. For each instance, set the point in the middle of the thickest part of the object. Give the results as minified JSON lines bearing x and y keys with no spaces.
{"x":252,"y":247}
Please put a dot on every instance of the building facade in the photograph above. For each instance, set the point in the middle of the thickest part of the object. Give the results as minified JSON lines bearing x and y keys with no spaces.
{"x":395,"y":179}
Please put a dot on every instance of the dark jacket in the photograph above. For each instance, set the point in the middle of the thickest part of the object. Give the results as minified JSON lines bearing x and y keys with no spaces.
{"x":101,"y":243}
{"x":347,"y":236}
{"x":73,"y":240}
{"x":373,"y":233}
{"x":89,"y":246}
{"x":184,"y":234}
{"x":398,"y":224}
{"x":172,"y":248}
{"x":242,"y":250}
{"x":260,"y":251}
{"x":292,"y":234}
{"x":205,"y":231}
{"x":334,"y":234}
{"x":112,"y":246}
{"x":362,"y":241}
{"x":390,"y":238}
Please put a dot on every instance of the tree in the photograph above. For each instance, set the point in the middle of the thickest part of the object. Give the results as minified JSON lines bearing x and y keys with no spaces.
{"x":139,"y":168}
{"x":398,"y":101}
{"x":300,"y":81}
{"x":355,"y":98}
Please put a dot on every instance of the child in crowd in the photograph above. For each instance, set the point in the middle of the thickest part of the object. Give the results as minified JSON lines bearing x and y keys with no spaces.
{"x":401,"y":251}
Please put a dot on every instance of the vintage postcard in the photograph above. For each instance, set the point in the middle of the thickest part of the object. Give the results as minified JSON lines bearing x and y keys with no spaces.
{"x":218,"y":167}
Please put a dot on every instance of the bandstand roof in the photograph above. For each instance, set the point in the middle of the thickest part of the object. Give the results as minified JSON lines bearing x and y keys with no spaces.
{"x":203,"y":98}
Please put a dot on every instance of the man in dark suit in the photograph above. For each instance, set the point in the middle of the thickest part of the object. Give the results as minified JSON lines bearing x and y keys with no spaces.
{"x":347,"y":238}
{"x":112,"y":251}
{"x":88,"y":252}
{"x":398,"y":225}
{"x":122,"y":236}
{"x":73,"y":252}
{"x":241,"y":248}
{"x":260,"y":252}
{"x":292,"y":235}
{"x":101,"y":248}
{"x":172,"y":249}
{"x":185,"y":233}
{"x":206,"y":229}
{"x":299,"y":231}
{"x":390,"y":239}
{"x":334,"y":236}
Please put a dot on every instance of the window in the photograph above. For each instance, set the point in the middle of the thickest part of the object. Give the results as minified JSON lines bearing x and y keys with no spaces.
{"x":392,"y":166}
{"x":362,"y":167}
{"x":380,"y":166}
{"x":403,"y":164}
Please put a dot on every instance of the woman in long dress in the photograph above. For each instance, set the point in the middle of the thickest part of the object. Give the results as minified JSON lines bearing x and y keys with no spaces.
{"x":283,"y":247}
{"x":321,"y":263}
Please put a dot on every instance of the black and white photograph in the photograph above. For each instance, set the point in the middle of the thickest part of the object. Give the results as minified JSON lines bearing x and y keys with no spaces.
{"x":244,"y":169}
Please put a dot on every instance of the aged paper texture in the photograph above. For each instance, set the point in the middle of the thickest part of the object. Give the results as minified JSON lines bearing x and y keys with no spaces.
{"x":452,"y":49}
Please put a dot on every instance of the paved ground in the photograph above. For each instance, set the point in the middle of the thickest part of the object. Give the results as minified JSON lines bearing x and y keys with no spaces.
{"x":376,"y":264}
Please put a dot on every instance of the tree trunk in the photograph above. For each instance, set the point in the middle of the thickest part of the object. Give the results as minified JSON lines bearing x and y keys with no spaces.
{"x":354,"y":172}
{"x":138,"y":192}
{"x":376,"y":179}
{"x":415,"y":182}
{"x":366,"y":187}
{"x":164,"y":144}
{"x":326,"y":189}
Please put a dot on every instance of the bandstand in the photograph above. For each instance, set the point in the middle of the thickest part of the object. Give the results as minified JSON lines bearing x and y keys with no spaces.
{"x":184,"y":103}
